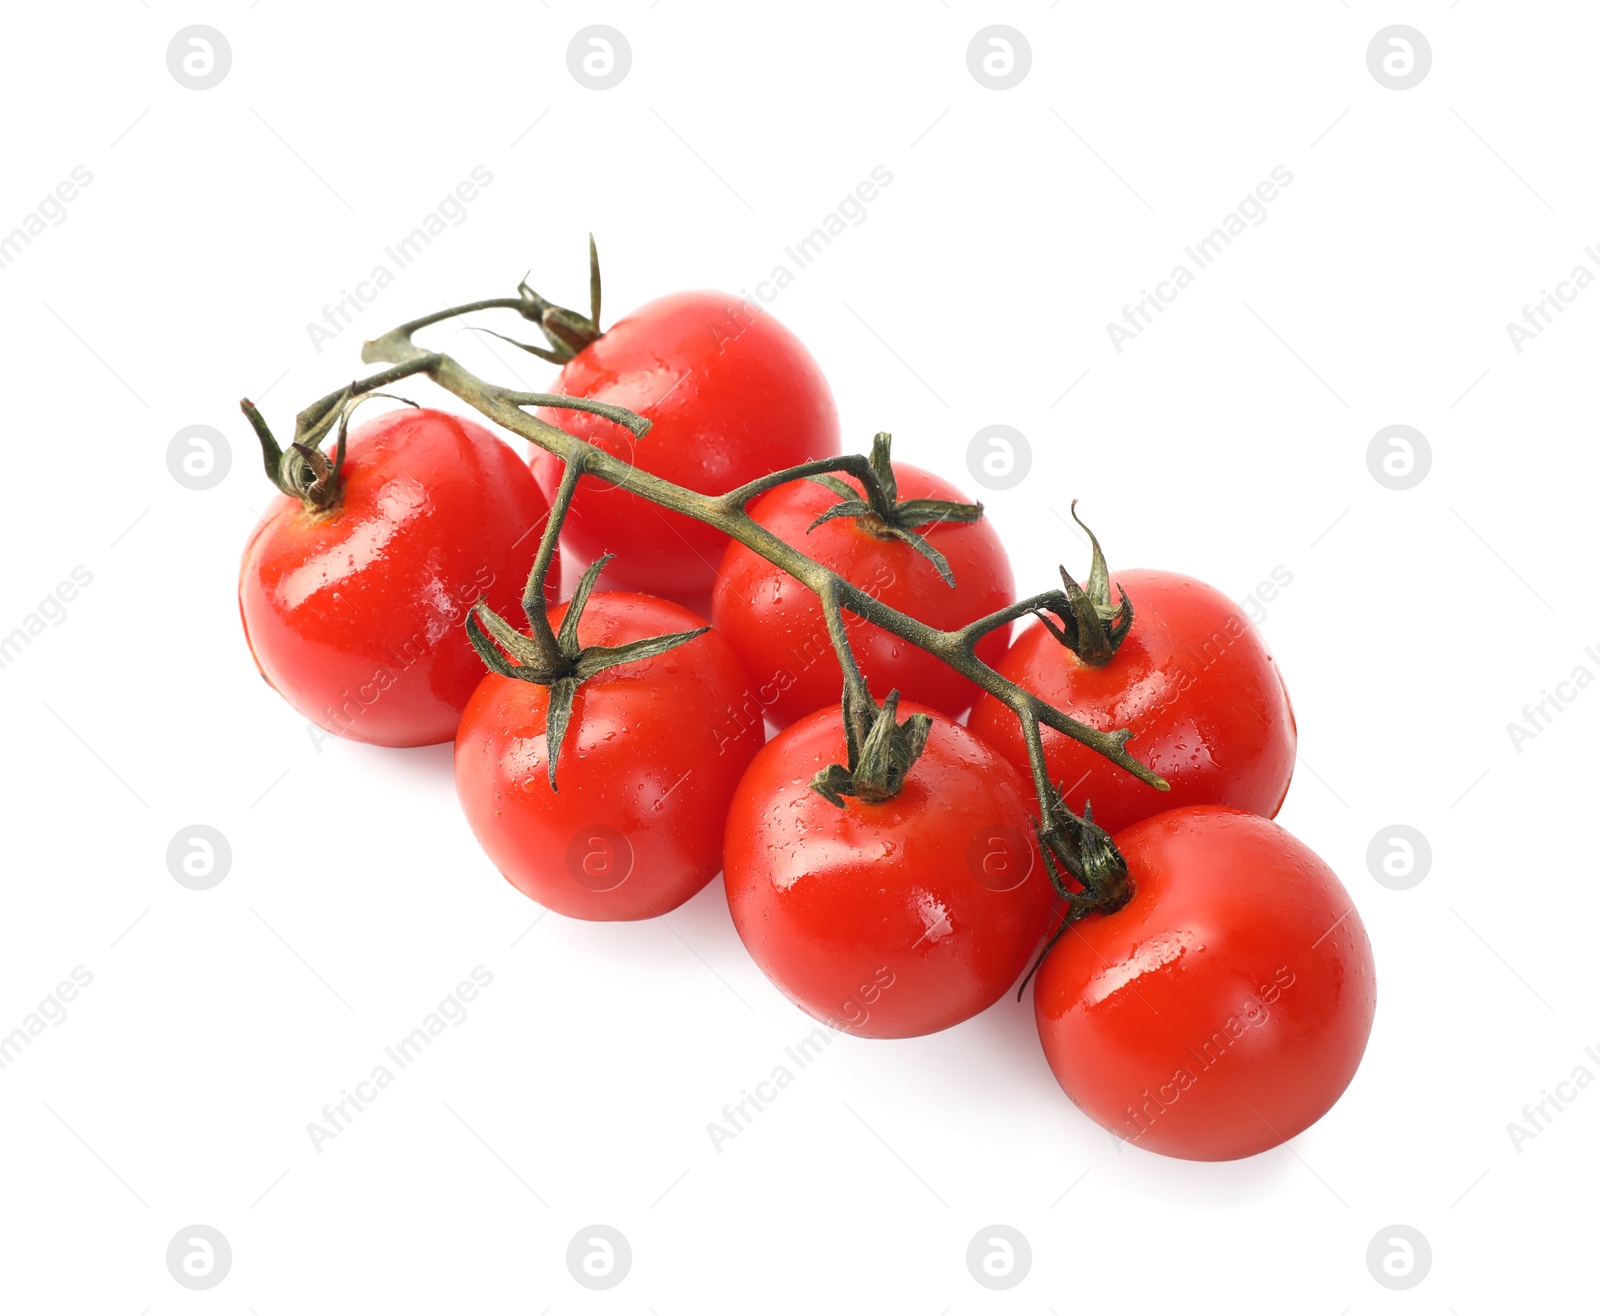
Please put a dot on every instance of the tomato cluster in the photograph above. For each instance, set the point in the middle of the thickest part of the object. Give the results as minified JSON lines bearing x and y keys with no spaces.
{"x":1204,"y":987}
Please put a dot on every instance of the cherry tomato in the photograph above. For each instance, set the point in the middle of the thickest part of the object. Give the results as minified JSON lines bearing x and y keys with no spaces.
{"x":1194,"y":682}
{"x":1226,"y":1006}
{"x":889,"y":919}
{"x":355,"y":615}
{"x":776,"y":624}
{"x":732,"y":395}
{"x":650,"y":761}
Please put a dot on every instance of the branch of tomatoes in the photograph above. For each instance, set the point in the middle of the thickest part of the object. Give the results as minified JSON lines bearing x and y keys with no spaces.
{"x":880,"y":749}
{"x":912,"y":842}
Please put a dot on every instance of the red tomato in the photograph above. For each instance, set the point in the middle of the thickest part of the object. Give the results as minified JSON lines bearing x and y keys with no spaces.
{"x":1194,"y":682}
{"x":355,"y":616}
{"x":1226,"y":1006}
{"x":776,"y":624}
{"x":732,"y":394}
{"x":888,"y":919}
{"x":643,"y":780}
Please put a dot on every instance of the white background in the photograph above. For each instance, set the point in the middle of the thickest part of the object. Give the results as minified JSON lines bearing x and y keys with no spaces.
{"x":1228,"y":440}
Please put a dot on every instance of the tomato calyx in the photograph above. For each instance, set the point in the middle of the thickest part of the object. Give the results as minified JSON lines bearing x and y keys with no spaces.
{"x":1091,"y":625}
{"x":1090,"y":858}
{"x":880,"y":751}
{"x":568,"y":332}
{"x":303,"y":470}
{"x":553,"y":658}
{"x":878,"y":509}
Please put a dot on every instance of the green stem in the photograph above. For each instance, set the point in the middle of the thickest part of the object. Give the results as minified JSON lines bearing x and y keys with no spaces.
{"x":857,"y":699}
{"x":726,"y":512}
{"x":851,"y":463}
{"x":533,"y":596}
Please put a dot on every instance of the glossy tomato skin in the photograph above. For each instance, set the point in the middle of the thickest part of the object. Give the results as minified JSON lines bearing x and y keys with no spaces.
{"x":1194,"y":682}
{"x":1225,"y":1008}
{"x":893,"y":919}
{"x":776,"y":624}
{"x":355,"y":616}
{"x":650,"y":762}
{"x":732,"y":395}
